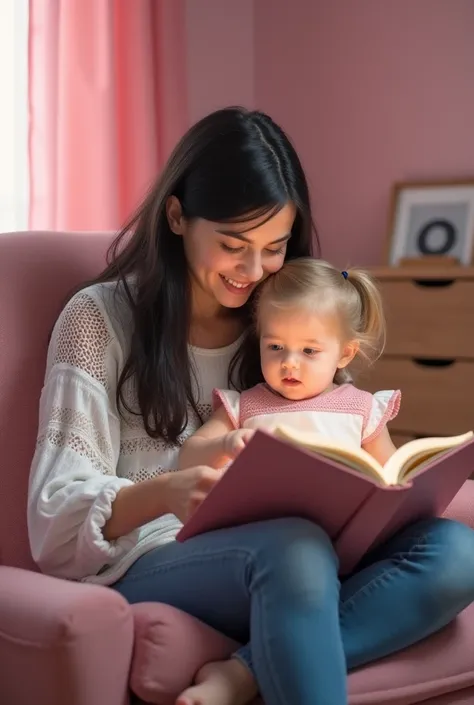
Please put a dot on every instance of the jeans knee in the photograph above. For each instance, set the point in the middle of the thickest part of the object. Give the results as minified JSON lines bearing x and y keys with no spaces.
{"x":298,"y":553}
{"x":450,"y":551}
{"x":284,"y":534}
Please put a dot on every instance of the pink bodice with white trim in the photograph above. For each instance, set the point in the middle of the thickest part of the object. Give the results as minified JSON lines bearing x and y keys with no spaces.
{"x":346,"y":414}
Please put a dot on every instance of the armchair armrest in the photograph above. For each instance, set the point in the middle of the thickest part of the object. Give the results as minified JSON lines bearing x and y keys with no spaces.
{"x":462,"y":506}
{"x":62,"y":641}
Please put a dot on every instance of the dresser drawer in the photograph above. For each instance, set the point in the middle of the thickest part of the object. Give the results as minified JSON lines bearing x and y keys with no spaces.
{"x":429,"y":318}
{"x":435,"y":400}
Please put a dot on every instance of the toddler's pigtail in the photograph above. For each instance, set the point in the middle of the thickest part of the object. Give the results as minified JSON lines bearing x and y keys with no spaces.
{"x":371,"y":328}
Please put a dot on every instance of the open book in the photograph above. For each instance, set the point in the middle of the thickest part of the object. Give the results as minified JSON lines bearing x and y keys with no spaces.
{"x":403,"y":465}
{"x":358,"y":503}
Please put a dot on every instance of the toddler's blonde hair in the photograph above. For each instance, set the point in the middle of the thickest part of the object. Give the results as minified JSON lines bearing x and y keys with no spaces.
{"x":352,"y":296}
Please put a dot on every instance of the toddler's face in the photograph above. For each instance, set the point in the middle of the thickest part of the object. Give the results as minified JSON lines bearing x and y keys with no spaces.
{"x":300,"y":351}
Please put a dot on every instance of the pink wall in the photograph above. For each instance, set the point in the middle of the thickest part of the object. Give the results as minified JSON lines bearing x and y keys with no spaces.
{"x":220,"y":55}
{"x":372,"y":92}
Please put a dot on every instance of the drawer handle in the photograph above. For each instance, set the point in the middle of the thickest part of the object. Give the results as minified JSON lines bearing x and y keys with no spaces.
{"x":427,"y":362}
{"x":434,"y":282}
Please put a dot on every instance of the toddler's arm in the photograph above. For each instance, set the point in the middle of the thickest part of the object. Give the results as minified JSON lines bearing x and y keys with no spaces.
{"x":381,"y":448}
{"x":214,"y":444}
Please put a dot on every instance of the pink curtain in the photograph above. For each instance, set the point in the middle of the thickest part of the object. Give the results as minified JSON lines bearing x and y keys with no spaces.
{"x":107,"y":102}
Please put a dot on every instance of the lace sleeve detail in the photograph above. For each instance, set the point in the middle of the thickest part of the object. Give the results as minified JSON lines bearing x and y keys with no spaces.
{"x":81,"y":338}
{"x":73,"y":429}
{"x":80,"y":346}
{"x":73,"y":480}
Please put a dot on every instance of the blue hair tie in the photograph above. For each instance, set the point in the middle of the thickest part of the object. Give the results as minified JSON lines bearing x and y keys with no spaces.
{"x":345,"y":274}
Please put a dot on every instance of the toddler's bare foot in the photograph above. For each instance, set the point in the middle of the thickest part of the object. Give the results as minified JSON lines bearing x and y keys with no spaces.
{"x":221,"y":683}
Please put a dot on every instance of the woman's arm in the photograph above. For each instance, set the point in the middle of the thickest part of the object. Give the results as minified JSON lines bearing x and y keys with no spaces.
{"x":177,"y":493}
{"x":135,"y":506}
{"x":81,"y":515}
{"x":214,"y":444}
{"x":73,"y":482}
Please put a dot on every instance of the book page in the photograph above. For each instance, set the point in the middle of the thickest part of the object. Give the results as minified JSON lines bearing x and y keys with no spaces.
{"x":401,"y":467}
{"x":355,"y":458}
{"x":413,"y":456}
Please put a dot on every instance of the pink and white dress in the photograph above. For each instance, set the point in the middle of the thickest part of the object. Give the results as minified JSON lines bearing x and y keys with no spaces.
{"x":346,"y":414}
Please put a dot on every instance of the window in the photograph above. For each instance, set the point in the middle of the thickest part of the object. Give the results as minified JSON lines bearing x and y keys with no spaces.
{"x":13,"y":115}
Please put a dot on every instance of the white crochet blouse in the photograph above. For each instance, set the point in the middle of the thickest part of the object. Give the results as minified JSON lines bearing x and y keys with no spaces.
{"x":86,"y":452}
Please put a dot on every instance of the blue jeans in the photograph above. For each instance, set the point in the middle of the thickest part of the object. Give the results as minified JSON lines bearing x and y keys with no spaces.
{"x":274,"y":587}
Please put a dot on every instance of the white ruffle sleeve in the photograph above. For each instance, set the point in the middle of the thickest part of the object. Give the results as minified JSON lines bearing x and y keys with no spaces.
{"x":73,"y":480}
{"x":230,"y":400}
{"x":385,"y":407}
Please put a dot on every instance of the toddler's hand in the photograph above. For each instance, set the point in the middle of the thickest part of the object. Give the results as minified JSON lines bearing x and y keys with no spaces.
{"x":235,"y":441}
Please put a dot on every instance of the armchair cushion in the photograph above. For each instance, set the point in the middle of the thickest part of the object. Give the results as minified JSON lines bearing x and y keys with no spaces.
{"x":170,"y":647}
{"x":62,"y":642}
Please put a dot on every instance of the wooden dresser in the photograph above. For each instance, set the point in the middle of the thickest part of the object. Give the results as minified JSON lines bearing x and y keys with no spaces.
{"x":430,"y":349}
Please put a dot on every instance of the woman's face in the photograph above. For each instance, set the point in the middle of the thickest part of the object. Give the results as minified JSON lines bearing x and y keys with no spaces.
{"x":228,"y":260}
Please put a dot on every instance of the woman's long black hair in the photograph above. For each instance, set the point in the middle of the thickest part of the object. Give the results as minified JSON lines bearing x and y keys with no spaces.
{"x":232,"y":165}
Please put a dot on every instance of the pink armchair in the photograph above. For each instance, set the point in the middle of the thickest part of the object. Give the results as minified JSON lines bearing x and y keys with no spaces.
{"x":67,"y":643}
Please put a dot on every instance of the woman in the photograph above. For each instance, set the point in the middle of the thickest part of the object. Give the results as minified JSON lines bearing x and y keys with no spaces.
{"x":132,"y":362}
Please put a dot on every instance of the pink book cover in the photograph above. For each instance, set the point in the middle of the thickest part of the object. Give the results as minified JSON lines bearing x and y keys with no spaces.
{"x":272,"y":478}
{"x":427,"y":495}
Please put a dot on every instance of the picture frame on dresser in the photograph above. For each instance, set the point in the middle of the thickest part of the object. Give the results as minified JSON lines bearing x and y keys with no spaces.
{"x":431,"y":221}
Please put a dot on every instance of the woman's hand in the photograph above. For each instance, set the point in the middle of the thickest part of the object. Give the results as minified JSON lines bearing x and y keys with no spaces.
{"x":186,"y":489}
{"x":235,"y":441}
